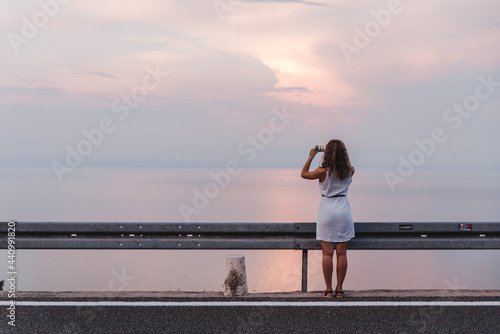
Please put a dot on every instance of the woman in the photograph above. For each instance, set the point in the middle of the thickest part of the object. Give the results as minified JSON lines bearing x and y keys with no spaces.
{"x":335,"y":226}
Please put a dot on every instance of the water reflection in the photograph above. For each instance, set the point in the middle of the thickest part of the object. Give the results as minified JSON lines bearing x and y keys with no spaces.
{"x":270,"y":195}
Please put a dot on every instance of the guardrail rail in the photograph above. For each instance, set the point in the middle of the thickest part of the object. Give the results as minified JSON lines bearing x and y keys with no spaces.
{"x":296,"y":236}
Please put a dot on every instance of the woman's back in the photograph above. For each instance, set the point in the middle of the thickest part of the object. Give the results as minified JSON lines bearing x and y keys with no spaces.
{"x":332,"y":185}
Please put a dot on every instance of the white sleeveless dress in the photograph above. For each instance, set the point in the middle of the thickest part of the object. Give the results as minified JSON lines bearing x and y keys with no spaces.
{"x":335,"y":223}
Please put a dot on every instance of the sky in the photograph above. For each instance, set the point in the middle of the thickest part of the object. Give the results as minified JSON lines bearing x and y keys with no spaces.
{"x":160,"y":83}
{"x":94,"y":93}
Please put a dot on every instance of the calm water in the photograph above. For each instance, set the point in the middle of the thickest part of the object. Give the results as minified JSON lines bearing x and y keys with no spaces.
{"x":254,"y":195}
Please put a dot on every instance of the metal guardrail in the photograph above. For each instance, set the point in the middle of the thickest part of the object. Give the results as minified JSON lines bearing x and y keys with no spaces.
{"x":297,"y":236}
{"x":393,"y":235}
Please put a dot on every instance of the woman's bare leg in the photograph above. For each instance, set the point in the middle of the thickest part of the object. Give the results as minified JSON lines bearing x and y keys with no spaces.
{"x":327,"y":249}
{"x":341,"y":264}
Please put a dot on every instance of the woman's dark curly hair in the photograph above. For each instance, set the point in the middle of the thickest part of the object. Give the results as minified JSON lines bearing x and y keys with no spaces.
{"x":336,"y":159}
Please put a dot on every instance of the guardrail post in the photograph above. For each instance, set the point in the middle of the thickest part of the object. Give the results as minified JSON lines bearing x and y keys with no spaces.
{"x":304,"y":270}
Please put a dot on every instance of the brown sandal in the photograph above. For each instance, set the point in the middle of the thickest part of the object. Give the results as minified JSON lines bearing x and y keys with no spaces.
{"x":325,"y":294}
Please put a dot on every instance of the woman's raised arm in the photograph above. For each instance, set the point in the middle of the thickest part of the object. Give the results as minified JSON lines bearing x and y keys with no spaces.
{"x":311,"y":175}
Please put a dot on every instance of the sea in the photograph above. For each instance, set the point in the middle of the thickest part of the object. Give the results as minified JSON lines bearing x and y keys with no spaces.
{"x":244,"y":195}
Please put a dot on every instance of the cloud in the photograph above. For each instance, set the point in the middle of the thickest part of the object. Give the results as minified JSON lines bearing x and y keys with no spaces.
{"x":40,"y":90}
{"x":291,"y":90}
{"x":309,"y":3}
{"x":226,"y":76}
{"x":101,"y":74}
{"x":211,"y":74}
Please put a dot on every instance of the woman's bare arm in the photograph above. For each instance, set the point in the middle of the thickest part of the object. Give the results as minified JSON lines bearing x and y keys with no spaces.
{"x":311,"y":175}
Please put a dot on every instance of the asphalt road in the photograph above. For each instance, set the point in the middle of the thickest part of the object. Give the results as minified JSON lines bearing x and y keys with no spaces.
{"x":358,"y":312}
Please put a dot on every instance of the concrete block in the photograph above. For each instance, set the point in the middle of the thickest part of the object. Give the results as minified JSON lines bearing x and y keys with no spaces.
{"x":235,"y":283}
